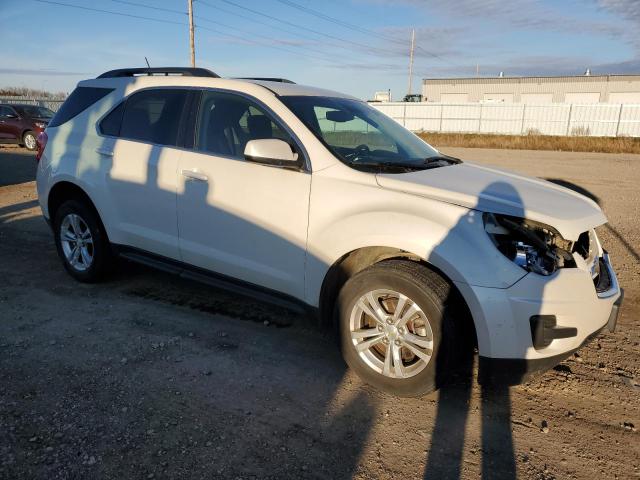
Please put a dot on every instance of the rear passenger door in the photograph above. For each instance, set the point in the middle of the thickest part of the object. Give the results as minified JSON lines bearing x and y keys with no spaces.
{"x":241,"y":218}
{"x":9,"y":123}
{"x":143,"y":135}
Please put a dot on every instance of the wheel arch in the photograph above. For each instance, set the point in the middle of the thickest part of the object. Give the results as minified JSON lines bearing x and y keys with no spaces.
{"x":357,"y":260}
{"x":64,"y":191}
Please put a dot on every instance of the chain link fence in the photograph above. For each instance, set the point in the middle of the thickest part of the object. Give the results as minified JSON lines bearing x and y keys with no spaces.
{"x":597,"y":120}
{"x":41,"y":102}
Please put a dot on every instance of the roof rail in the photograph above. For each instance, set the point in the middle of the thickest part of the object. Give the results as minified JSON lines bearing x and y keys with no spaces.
{"x":184,"y":71}
{"x":266,"y":79}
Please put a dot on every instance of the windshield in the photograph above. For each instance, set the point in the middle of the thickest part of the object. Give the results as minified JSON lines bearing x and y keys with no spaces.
{"x":34,"y":111}
{"x":360,"y":135}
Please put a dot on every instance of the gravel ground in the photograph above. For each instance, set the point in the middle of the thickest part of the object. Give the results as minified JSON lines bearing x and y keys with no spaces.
{"x":150,"y":376}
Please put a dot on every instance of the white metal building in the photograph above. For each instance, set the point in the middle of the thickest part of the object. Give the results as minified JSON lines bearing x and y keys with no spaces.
{"x":584,"y":89}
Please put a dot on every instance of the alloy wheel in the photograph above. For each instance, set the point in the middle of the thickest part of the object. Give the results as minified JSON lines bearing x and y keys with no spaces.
{"x":30,"y":141}
{"x":391,"y":333}
{"x":77,"y":242}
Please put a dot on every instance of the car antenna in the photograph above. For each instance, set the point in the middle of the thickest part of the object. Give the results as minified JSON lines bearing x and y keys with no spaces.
{"x":148,"y":66}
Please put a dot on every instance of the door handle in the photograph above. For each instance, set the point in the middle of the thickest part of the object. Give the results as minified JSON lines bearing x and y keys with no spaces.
{"x":103,"y":151}
{"x":195,"y":175}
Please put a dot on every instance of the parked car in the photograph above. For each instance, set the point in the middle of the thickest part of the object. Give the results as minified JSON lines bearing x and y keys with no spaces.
{"x":312,"y":198}
{"x":22,"y":124}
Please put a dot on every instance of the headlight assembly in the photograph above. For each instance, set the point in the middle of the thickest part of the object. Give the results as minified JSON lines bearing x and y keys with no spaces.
{"x":531,"y":245}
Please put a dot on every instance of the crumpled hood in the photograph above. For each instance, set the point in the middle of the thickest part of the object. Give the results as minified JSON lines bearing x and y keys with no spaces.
{"x":500,"y":191}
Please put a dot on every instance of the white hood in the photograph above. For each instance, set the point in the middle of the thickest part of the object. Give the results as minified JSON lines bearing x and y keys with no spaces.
{"x":499,"y":191}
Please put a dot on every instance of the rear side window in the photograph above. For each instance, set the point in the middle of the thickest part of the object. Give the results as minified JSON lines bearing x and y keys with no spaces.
{"x":110,"y":125}
{"x":154,"y":116}
{"x":79,"y":100}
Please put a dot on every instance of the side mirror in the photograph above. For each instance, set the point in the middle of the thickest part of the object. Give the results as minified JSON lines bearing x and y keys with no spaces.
{"x":271,"y":151}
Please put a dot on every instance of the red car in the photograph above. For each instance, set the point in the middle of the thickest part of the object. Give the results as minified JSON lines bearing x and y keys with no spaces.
{"x":21,"y":123}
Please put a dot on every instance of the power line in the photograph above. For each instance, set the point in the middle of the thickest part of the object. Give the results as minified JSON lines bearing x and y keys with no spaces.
{"x":270,"y":25}
{"x":141,"y":17}
{"x":91,"y":9}
{"x":204,"y":19}
{"x":136,"y":4}
{"x":246,"y":40}
{"x":253,"y":34}
{"x":351,"y":26}
{"x":327,"y":35}
{"x":255,"y":20}
{"x":342,"y":23}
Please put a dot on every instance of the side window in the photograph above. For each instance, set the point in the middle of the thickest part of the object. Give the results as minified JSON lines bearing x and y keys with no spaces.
{"x":153,"y":116}
{"x":80,"y":99}
{"x":226,"y":122}
{"x":110,"y":125}
{"x":7,"y":111}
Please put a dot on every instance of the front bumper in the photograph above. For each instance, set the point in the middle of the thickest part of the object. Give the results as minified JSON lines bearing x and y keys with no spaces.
{"x":509,"y":350}
{"x":514,"y":371}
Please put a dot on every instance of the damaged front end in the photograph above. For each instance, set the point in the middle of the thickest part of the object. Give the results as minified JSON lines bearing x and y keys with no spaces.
{"x":531,"y":245}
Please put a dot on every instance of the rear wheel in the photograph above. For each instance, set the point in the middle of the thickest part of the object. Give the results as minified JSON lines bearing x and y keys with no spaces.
{"x":394,"y":328}
{"x":81,"y":241}
{"x":29,"y":140}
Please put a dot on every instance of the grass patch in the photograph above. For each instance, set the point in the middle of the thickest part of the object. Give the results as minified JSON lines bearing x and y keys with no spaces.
{"x":535,"y":142}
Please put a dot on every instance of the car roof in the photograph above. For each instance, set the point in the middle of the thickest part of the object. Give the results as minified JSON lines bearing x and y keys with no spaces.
{"x":239,"y":84}
{"x":293,"y":89}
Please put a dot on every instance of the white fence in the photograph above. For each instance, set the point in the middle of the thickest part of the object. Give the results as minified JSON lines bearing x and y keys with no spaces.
{"x":42,"y":102}
{"x":598,"y":120}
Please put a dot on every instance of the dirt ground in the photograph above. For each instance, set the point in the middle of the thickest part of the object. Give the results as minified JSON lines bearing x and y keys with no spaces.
{"x":150,"y":376}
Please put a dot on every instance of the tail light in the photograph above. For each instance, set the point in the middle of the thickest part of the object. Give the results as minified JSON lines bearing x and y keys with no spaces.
{"x":41,"y":142}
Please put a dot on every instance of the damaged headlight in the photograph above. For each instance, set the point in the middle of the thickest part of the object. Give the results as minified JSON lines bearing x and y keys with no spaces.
{"x":533,"y":246}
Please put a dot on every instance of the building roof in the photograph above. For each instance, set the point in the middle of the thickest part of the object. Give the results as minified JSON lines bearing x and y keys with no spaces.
{"x":538,"y":79}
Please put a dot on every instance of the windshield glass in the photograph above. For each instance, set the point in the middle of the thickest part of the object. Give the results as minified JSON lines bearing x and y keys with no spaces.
{"x":35,"y":111}
{"x":360,"y":135}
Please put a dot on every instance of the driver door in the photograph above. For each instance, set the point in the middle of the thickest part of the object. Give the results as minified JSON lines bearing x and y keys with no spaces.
{"x":244,"y":219}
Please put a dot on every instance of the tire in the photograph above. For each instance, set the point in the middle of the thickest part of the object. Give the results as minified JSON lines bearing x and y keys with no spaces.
{"x":94,"y":253}
{"x":425,"y":290}
{"x":29,"y":141}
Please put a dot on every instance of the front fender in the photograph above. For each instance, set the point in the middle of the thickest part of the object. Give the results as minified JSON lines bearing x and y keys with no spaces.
{"x":449,"y":237}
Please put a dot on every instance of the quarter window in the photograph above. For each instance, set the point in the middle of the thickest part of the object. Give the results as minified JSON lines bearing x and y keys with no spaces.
{"x":153,"y":116}
{"x":80,"y":99}
{"x":226,"y":122}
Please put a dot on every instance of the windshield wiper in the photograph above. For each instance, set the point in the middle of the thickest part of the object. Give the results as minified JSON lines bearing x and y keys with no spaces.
{"x":389,"y":166}
{"x":441,"y":160}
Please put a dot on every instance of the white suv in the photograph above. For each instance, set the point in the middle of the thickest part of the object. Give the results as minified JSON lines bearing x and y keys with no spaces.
{"x":311,"y":197}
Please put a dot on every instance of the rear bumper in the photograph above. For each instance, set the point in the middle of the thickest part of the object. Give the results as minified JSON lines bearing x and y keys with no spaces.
{"x":514,"y":371}
{"x":539,"y":321}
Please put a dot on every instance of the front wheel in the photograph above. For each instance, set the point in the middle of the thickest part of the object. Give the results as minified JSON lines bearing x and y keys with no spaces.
{"x":29,"y":141}
{"x":394,"y":334}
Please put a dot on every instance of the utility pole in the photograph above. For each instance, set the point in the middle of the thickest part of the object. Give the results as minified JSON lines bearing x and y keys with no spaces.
{"x":413,"y":44}
{"x":191,"y":34}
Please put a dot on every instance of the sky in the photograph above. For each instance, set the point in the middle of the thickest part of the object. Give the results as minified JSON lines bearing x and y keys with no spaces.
{"x":354,"y":46}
